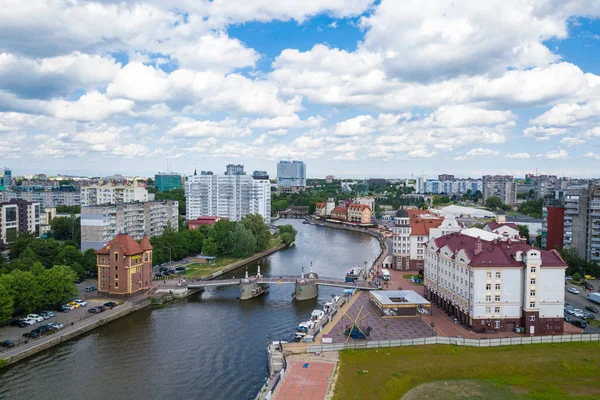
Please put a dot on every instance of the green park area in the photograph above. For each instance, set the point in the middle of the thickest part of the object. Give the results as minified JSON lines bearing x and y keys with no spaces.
{"x":446,"y":372}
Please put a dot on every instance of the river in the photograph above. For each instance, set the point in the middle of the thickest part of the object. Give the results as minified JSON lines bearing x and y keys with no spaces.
{"x":208,"y":346}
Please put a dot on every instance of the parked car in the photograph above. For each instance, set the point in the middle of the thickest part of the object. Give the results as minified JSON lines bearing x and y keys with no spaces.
{"x":101,"y":308}
{"x":94,"y":310}
{"x":29,"y":321}
{"x":49,"y":327}
{"x":110,"y":304}
{"x":579,"y":323}
{"x":30,"y":335}
{"x":47,"y":314}
{"x":591,"y":308}
{"x":80,"y":302}
{"x":57,"y":325}
{"x":162,"y":269}
{"x":69,"y":307}
{"x":40,"y":330}
{"x":573,"y":290}
{"x":74,"y":305}
{"x":579,"y":314}
{"x":16,"y":322}
{"x":91,"y":289}
{"x":7,"y":344}
{"x":568,"y":277}
{"x":180,"y":269}
{"x":589,"y":286}
{"x":158,"y":275}
{"x":590,"y":278}
{"x":36,"y":317}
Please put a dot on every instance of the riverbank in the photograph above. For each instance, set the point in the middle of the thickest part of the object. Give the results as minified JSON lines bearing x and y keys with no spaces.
{"x":70,"y":332}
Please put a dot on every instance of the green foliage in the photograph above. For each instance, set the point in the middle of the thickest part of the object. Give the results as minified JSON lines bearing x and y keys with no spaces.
{"x":242,"y":240}
{"x":88,"y":262}
{"x":523,"y":231}
{"x":494,"y":203}
{"x":58,"y":285}
{"x":287,"y":234}
{"x":24,"y":289}
{"x":25,"y":260}
{"x":210,"y":247}
{"x":66,"y":228}
{"x":68,"y":255}
{"x":175,"y":194}
{"x":577,"y":264}
{"x":287,"y":238}
{"x":255,"y":224}
{"x":577,"y":276}
{"x":68,"y":209}
{"x":6,"y":303}
{"x":533,"y":208}
{"x":440,"y":200}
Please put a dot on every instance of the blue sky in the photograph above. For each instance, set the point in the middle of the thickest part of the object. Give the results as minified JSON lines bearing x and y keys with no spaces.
{"x":355,"y":88}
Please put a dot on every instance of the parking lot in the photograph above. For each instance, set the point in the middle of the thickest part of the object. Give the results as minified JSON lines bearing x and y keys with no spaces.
{"x":580,"y":301}
{"x":15,"y":334}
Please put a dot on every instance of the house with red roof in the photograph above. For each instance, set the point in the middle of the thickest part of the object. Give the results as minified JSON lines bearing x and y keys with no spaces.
{"x":359,"y":213}
{"x":204,"y":220}
{"x":124,"y":266}
{"x":321,"y":209}
{"x":493,"y":283}
{"x":339,"y":213}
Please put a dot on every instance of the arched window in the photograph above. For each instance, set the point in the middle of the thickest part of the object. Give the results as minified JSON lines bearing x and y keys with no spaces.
{"x":116,"y":256}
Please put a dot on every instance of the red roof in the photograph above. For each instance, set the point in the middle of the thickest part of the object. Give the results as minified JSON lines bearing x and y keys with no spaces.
{"x":496,"y":253}
{"x":145,"y":244}
{"x":339,"y":210}
{"x":125,"y":243}
{"x":361,"y":206}
{"x":420,"y":226}
{"x":321,"y":205}
{"x":495,"y":225}
{"x":206,"y":220}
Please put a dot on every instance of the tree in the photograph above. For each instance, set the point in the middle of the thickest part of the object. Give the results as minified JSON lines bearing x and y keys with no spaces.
{"x":68,"y":255}
{"x":209,"y":247}
{"x":437,"y":200}
{"x":287,"y":233}
{"x":523,"y":231}
{"x":66,"y":228}
{"x":37,"y":268}
{"x":287,"y":238}
{"x":6,"y":303}
{"x":58,"y":285}
{"x":577,"y":276}
{"x":244,"y":242}
{"x":24,"y":290}
{"x":260,"y":230}
{"x":25,"y":260}
{"x":533,"y":208}
{"x":494,"y":202}
{"x":220,"y":233}
{"x":88,"y":262}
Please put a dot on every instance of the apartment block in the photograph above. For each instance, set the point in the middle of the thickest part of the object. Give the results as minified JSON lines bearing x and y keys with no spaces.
{"x":582,"y":221}
{"x":99,"y":224}
{"x":496,"y":284}
{"x":109,"y":193}
{"x":18,"y":216}
{"x":503,"y":186}
{"x":165,"y":181}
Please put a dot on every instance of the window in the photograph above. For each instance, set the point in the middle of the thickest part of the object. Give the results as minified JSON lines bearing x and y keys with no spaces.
{"x":532,"y":269}
{"x":116,"y":285}
{"x":116,"y":267}
{"x":116,"y":276}
{"x":488,"y":298}
{"x":497,"y":322}
{"x":488,"y":310}
{"x":532,"y":305}
{"x":497,"y":275}
{"x":532,"y":281}
{"x":116,"y":256}
{"x":488,"y":275}
{"x":497,"y":286}
{"x":532,"y":317}
{"x":497,"y":298}
{"x":532,"y":292}
{"x":488,"y":286}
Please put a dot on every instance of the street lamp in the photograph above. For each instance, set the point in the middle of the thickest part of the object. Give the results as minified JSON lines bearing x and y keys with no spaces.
{"x":169,"y":253}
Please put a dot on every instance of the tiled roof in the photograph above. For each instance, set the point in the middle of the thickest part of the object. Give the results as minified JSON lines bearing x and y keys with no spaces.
{"x":495,"y":225}
{"x":145,"y":244}
{"x":420,"y":226}
{"x":124,"y":242}
{"x":340,"y":210}
{"x":321,"y":205}
{"x":361,"y":206}
{"x":495,"y":253}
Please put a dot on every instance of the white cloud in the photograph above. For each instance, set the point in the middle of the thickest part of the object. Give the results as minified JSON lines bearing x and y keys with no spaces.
{"x":93,"y":106}
{"x":559,"y":154}
{"x":592,"y":155}
{"x":215,"y":52}
{"x":261,"y":139}
{"x":190,"y":128}
{"x":277,"y":132}
{"x":518,"y":155}
{"x":571,"y":141}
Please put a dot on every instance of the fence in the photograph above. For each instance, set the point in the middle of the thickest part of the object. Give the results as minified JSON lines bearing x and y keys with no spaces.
{"x":455,"y":341}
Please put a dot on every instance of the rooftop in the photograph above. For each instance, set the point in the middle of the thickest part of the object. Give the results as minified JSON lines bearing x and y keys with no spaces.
{"x":123,"y":242}
{"x":391,"y":297}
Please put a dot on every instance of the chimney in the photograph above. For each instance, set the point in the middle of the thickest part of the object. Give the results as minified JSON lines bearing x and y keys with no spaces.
{"x":495,"y":241}
{"x":478,"y":246}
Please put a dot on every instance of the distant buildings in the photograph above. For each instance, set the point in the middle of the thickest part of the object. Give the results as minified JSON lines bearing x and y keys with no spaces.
{"x":502,"y":228}
{"x":100,"y":223}
{"x":18,"y":216}
{"x":165,"y":181}
{"x":367,"y":201}
{"x":452,"y":186}
{"x":329,"y":178}
{"x":48,"y":197}
{"x":291,"y":176}
{"x":5,"y":178}
{"x":496,"y":284}
{"x":124,"y":266}
{"x":109,"y":193}
{"x":234,"y":169}
{"x":231,"y":196}
{"x":503,"y":186}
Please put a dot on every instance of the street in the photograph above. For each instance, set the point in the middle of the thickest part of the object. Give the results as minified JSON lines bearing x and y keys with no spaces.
{"x":580,"y":301}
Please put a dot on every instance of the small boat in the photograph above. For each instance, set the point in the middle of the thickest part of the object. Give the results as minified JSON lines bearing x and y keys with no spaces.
{"x":321,"y":224}
{"x":317,"y":315}
{"x":305,"y":222}
{"x":302,"y":330}
{"x":353,"y":274}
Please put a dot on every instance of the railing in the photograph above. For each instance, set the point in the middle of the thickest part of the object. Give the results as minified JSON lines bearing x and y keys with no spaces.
{"x":457,"y":341}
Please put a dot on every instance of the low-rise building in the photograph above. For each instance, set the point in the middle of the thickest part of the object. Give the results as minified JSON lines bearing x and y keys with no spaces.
{"x":340,"y":214}
{"x":124,"y":266}
{"x":204,"y":220}
{"x":359,"y":213}
{"x":321,"y":210}
{"x":501,"y":227}
{"x":496,"y":284}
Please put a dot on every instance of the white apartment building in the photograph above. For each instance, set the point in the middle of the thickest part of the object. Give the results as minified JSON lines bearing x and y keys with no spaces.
{"x":101,"y":223}
{"x":230,"y":196}
{"x":112,"y":194}
{"x":18,"y":216}
{"x":493,"y":283}
{"x":49,"y":198}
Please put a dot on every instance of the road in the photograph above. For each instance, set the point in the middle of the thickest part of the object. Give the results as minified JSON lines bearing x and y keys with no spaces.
{"x":580,"y":301}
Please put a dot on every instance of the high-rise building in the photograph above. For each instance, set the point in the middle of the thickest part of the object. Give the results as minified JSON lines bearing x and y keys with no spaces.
{"x":582,"y":221}
{"x":230,"y":196}
{"x":553,"y":226}
{"x":234,"y":169}
{"x":291,"y":176}
{"x":49,"y":196}
{"x":18,"y":216}
{"x":503,"y":186}
{"x":124,"y":266}
{"x":101,"y":223}
{"x":165,"y":181}
{"x":6,"y":178}
{"x":107,"y":193}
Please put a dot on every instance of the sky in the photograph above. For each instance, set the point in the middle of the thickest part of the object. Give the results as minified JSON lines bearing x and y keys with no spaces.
{"x":355,"y":88}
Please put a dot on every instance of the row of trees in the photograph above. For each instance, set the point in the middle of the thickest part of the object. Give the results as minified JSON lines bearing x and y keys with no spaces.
{"x":22,"y":292}
{"x":533,"y":208}
{"x":496,"y":203}
{"x":577,"y":264}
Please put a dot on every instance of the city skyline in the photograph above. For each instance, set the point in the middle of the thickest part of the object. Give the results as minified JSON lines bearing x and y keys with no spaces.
{"x":353,"y":88}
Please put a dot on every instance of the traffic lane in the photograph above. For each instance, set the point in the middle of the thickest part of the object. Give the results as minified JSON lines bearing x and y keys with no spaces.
{"x":15,"y":333}
{"x":580,"y":301}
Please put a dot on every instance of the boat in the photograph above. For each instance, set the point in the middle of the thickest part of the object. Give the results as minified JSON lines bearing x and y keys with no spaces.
{"x":316,"y":316}
{"x":321,"y":224}
{"x":305,"y":222}
{"x":353,"y":274}
{"x":302,"y":330}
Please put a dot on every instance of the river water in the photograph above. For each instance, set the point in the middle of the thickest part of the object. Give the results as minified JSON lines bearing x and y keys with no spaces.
{"x":208,"y":346}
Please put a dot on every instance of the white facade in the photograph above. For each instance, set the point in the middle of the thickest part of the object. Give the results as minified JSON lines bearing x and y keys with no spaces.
{"x":18,"y":217}
{"x":230,"y":196}
{"x":367,"y":201}
{"x":112,"y":194}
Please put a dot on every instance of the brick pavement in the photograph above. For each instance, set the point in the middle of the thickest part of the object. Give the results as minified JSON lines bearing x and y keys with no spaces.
{"x":305,"y":383}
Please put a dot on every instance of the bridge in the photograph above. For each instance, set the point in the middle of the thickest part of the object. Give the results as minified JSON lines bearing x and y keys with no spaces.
{"x":306,"y":288}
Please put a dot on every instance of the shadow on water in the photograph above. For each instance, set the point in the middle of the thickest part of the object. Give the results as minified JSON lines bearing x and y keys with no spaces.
{"x":208,"y":346}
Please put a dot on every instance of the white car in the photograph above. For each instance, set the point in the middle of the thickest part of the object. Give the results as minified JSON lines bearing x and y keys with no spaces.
{"x":573,"y":290}
{"x":29,"y":321}
{"x":57,"y":325}
{"x":579,"y":314}
{"x":81,"y":302}
{"x":37,"y":318}
{"x":68,"y":307}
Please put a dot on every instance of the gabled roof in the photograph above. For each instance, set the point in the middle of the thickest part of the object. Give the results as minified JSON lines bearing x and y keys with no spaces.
{"x":361,"y":206}
{"x":145,"y":243}
{"x":495,"y":225}
{"x":123,"y":242}
{"x":340,"y":210}
{"x":321,"y":205}
{"x":421,"y":226}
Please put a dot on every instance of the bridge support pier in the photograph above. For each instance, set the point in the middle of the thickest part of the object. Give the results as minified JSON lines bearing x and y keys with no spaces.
{"x":306,"y":289}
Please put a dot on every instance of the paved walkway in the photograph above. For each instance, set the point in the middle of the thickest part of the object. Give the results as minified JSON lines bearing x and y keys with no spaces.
{"x":305,"y":380}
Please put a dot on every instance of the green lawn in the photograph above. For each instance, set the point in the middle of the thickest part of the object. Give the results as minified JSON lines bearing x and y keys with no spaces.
{"x":539,"y":371}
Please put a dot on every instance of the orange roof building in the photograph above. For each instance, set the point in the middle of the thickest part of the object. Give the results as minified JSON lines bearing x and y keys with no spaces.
{"x":124,"y":266}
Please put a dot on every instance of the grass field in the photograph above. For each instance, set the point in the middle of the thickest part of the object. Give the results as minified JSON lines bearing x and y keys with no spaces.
{"x":445,"y":372}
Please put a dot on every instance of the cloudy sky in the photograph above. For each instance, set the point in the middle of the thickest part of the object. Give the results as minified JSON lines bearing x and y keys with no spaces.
{"x":352,"y":87}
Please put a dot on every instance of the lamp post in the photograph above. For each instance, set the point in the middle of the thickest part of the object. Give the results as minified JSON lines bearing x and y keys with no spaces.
{"x":169,"y":253}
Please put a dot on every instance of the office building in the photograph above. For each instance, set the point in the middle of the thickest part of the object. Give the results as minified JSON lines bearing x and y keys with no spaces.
{"x":101,"y":223}
{"x":6,"y":178}
{"x":291,"y":176}
{"x":496,"y":284}
{"x":18,"y":216}
{"x":165,"y":181}
{"x":108,"y":193}
{"x":234,"y":169}
{"x":124,"y":266}
{"x":231,"y":196}
{"x":503,"y":186}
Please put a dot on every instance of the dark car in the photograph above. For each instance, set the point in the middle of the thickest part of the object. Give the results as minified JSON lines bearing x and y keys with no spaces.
{"x":158,"y":275}
{"x":589,"y":286}
{"x":91,"y":289}
{"x":110,"y":304}
{"x":101,"y":308}
{"x":30,"y":335}
{"x":163,"y":269}
{"x":49,"y":327}
{"x":591,"y":308}
{"x":19,"y":322}
{"x":180,"y":269}
{"x":94,"y":310}
{"x":7,"y":344}
{"x":63,"y":309}
{"x":579,"y":323}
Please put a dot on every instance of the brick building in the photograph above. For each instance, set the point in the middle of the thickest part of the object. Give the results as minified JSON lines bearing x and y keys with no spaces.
{"x":359,"y":213}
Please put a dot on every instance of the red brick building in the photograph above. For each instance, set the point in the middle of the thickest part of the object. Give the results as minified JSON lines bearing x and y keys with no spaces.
{"x":553,"y":227}
{"x":124,"y":266}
